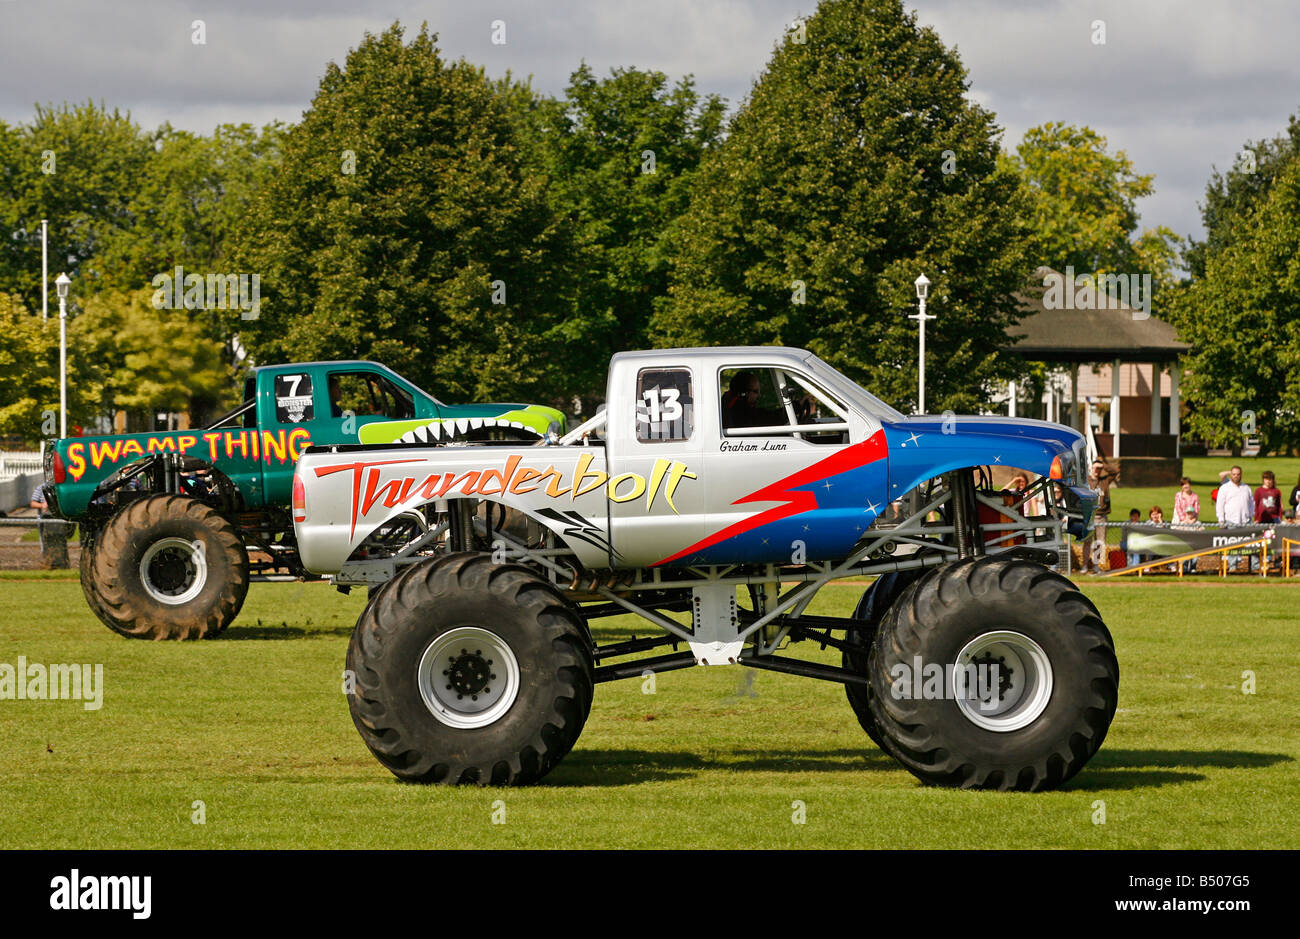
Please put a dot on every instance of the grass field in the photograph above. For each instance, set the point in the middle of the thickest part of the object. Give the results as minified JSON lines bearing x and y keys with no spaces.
{"x":255,"y":726}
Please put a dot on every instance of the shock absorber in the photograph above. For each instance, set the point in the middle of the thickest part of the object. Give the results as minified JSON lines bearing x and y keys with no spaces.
{"x":460,"y":525}
{"x":964,"y":517}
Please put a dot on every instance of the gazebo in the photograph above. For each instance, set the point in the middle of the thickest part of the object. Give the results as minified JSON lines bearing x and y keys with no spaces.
{"x":1111,"y":336}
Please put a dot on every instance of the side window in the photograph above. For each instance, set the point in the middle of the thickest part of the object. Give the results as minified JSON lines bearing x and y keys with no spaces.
{"x":293,"y":403}
{"x":402,"y":404}
{"x":665,"y":405}
{"x":366,"y":394}
{"x":772,"y":402}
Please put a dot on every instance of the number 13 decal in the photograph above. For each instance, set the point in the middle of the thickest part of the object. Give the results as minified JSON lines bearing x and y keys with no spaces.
{"x":661,"y":405}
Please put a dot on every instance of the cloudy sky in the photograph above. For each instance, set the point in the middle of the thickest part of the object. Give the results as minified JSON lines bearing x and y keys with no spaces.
{"x":1179,"y":84}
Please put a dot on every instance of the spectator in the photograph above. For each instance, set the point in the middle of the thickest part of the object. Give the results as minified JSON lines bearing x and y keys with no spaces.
{"x":1268,"y":501}
{"x":1018,"y":485}
{"x":1187,"y":511}
{"x":1187,"y":504}
{"x":1235,"y":506}
{"x":1156,"y":516}
{"x":1131,"y":557}
{"x":41,"y":505}
{"x":1100,"y":479}
{"x":1295,"y":499}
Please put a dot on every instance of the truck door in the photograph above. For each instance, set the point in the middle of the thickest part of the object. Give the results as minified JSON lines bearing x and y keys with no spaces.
{"x":356,"y":397}
{"x":793,"y":475}
{"x":656,"y":487}
{"x":287,"y":414}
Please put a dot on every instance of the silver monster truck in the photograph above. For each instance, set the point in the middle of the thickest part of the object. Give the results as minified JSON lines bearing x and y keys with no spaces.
{"x":730,"y":484}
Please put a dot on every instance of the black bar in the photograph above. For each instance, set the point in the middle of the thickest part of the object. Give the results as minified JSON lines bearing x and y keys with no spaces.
{"x":775,"y":663}
{"x":661,"y":663}
{"x":634,"y":645}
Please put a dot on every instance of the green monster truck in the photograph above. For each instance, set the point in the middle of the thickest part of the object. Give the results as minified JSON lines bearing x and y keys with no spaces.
{"x":168,"y":519}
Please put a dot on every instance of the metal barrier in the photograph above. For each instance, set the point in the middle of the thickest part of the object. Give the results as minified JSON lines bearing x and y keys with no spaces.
{"x":34,"y":522}
{"x":1286,"y":556}
{"x":1222,"y":552}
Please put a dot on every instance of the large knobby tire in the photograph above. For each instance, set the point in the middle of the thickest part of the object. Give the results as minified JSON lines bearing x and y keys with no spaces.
{"x":1044,"y":672}
{"x":871,"y":609}
{"x":87,"y":561}
{"x":168,"y":567}
{"x":470,"y":672}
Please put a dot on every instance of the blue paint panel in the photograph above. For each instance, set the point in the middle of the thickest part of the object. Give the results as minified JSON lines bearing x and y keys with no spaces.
{"x":919,"y":449}
{"x":843,"y":513}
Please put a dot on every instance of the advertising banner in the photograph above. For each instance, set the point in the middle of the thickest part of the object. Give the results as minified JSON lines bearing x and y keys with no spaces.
{"x":1165,"y":540}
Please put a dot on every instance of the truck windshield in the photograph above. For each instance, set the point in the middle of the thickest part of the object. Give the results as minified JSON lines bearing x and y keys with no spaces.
{"x":852,"y":390}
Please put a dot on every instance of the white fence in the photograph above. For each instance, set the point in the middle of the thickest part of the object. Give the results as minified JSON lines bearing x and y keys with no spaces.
{"x":19,"y":462}
{"x":16,"y":492}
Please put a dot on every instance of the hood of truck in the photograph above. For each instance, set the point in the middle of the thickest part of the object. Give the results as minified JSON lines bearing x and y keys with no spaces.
{"x":927,"y":446}
{"x":457,"y":421}
{"x":988,"y":424}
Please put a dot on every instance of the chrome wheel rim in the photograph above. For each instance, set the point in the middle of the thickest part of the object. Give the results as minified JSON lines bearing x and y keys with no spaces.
{"x":468,"y":677}
{"x":174,"y":571}
{"x":1002,"y":681}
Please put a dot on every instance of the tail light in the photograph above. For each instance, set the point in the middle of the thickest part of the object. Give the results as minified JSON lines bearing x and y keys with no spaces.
{"x":60,"y":472}
{"x":299,"y":500}
{"x":1058,"y":468}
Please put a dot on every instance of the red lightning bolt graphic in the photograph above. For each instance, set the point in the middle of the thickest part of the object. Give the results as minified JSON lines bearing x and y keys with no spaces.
{"x":793,"y":503}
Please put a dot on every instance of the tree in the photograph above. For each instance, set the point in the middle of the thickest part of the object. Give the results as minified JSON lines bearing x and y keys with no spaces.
{"x":193,"y":193}
{"x":77,"y":167}
{"x":403,"y":225}
{"x":619,"y":153}
{"x":126,"y":355}
{"x":856,"y":164}
{"x":1085,"y":199}
{"x":1231,"y":197}
{"x":1242,"y":318}
{"x":28,"y":386}
{"x":29,"y":375}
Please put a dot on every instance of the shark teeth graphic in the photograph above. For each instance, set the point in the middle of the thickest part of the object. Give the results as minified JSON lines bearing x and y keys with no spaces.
{"x":439,"y":431}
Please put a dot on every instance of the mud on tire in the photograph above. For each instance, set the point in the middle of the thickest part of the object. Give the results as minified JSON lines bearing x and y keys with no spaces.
{"x":469,"y":672}
{"x":167,"y":567}
{"x":1049,"y":704}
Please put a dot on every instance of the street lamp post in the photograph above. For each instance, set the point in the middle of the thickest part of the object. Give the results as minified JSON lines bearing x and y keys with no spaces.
{"x":45,"y":271}
{"x":922,"y":288}
{"x":61,"y":284}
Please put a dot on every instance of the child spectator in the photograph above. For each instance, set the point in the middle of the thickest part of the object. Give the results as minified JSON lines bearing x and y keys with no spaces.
{"x":1131,"y":557}
{"x":1187,"y":504}
{"x":1268,"y":501}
